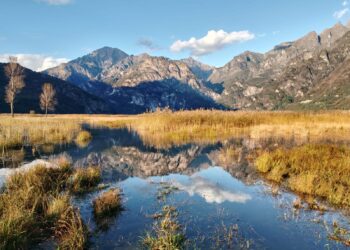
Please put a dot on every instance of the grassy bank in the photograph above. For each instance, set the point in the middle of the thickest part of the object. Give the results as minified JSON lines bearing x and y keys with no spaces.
{"x":163,"y":129}
{"x":318,"y":170}
{"x":37,"y":130}
{"x":166,"y":128}
{"x":35,"y":205}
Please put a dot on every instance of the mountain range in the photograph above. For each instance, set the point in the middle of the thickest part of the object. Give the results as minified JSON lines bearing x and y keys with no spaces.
{"x":312,"y":72}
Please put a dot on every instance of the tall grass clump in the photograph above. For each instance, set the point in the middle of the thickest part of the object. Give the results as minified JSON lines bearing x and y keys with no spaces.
{"x":83,"y":138}
{"x":71,"y":230}
{"x":85,"y":179}
{"x":108,"y":202}
{"x":34,"y":205}
{"x":167,"y":232}
{"x":318,"y":170}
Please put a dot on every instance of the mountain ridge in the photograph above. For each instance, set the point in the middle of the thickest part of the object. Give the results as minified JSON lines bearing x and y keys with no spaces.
{"x":272,"y":80}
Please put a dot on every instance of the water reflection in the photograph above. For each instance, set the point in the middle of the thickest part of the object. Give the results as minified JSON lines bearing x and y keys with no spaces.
{"x":211,"y":192}
{"x":208,"y":198}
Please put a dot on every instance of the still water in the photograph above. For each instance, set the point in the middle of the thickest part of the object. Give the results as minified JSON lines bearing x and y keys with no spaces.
{"x":215,"y":196}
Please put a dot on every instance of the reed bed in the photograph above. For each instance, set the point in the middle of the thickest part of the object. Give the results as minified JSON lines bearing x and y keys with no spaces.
{"x":317,"y":170}
{"x":37,"y":130}
{"x":164,"y":129}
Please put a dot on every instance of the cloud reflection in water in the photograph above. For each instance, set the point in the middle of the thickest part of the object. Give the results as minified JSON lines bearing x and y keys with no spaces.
{"x":211,"y":192}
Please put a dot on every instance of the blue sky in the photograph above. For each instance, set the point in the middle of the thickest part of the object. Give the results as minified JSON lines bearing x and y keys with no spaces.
{"x":57,"y":30}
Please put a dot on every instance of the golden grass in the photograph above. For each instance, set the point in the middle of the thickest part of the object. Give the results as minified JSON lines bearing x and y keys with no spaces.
{"x":34,"y":206}
{"x":83,"y":138}
{"x":318,"y":170}
{"x":71,"y":230}
{"x":85,"y":179}
{"x":36,"y":130}
{"x":165,"y":128}
{"x":108,"y":202}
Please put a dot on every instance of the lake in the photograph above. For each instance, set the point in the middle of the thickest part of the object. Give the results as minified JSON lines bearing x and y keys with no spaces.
{"x":222,"y":202}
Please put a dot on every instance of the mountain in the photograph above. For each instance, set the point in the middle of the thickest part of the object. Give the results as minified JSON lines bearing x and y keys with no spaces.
{"x":89,"y":67}
{"x":260,"y":81}
{"x":308,"y":73}
{"x":322,"y":81}
{"x":200,"y":70}
{"x":136,"y":84}
{"x":71,"y":99}
{"x":134,"y":70}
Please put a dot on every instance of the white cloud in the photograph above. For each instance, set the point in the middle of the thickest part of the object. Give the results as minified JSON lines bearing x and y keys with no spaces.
{"x":345,"y":3}
{"x":211,"y":192}
{"x":34,"y":61}
{"x":339,"y":14}
{"x":56,"y":2}
{"x":213,"y":41}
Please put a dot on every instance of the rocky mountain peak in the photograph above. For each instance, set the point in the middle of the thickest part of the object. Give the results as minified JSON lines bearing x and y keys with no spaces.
{"x":329,"y":36}
{"x":201,"y":70}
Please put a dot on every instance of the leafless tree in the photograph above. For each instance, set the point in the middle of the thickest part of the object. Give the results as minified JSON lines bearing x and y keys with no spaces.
{"x":47,"y":98}
{"x":15,"y":74}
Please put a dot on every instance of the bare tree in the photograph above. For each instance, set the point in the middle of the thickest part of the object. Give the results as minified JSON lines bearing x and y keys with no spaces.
{"x":47,"y":98}
{"x":15,"y":74}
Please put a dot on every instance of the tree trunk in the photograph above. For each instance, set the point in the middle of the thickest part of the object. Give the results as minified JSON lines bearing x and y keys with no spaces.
{"x":11,"y":106}
{"x":46,"y":111}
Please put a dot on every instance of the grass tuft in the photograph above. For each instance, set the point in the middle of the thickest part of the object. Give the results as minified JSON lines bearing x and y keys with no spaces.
{"x":108,"y":203}
{"x":83,"y":139}
{"x":85,"y":179}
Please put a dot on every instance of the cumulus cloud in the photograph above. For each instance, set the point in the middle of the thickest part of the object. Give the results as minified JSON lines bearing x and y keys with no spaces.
{"x":213,"y":41}
{"x":34,"y":61}
{"x":211,"y":192}
{"x":55,"y":2}
{"x":148,"y":44}
{"x":345,"y":3}
{"x":339,"y":14}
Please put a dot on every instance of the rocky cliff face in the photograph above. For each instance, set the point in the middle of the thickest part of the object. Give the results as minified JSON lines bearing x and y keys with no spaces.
{"x":263,"y":81}
{"x":145,"y":68}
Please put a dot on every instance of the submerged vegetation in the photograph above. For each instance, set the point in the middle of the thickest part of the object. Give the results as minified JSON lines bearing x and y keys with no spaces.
{"x":318,"y":170}
{"x":167,"y":232}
